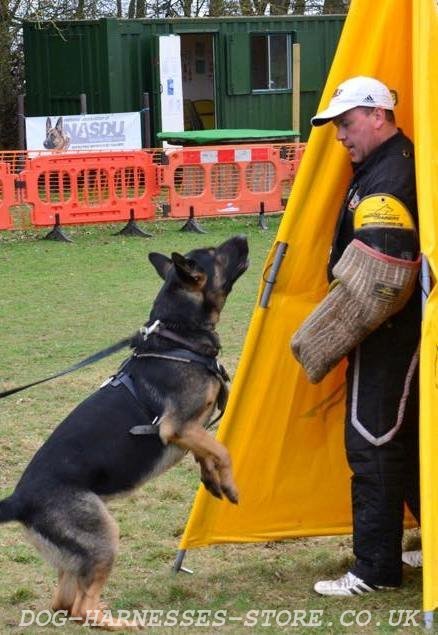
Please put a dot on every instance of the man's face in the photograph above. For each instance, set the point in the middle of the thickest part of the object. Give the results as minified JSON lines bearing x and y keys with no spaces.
{"x":357,"y":131}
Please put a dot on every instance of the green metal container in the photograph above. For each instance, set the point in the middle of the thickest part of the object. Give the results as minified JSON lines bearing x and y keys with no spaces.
{"x":236,"y":72}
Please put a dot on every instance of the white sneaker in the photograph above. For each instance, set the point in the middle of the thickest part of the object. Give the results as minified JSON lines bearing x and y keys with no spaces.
{"x":413,"y":558}
{"x":348,"y":584}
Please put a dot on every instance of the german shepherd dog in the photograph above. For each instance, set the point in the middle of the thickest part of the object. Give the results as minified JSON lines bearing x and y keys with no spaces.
{"x":137,"y":425}
{"x":56,"y":138}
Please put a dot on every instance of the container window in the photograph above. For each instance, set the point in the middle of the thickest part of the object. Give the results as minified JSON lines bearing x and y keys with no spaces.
{"x":268,"y":56}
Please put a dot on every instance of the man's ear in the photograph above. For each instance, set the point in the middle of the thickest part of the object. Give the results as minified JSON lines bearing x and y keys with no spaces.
{"x":161,"y":263}
{"x":188,"y":270}
{"x":380,"y":116}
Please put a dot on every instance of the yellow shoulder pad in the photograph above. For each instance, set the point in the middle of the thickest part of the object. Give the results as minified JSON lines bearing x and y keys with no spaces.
{"x":382,"y":210}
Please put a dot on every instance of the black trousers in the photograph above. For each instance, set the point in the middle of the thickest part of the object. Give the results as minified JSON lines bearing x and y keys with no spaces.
{"x":381,"y":438}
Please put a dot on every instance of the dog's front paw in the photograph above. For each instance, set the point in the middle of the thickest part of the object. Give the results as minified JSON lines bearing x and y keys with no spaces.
{"x":213,"y":488}
{"x":231,"y":493}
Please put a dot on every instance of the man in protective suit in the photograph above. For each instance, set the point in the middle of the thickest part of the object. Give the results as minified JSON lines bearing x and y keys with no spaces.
{"x":377,"y":226}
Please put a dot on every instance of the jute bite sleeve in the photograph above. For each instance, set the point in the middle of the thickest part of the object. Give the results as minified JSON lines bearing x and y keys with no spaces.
{"x":371,"y":287}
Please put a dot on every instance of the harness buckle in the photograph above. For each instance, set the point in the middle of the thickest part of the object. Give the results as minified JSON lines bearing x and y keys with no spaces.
{"x":222,"y":372}
{"x":151,"y":428}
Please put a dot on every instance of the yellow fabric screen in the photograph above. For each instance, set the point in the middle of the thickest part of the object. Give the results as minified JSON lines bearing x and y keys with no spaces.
{"x":284,"y":434}
{"x":425,"y":91}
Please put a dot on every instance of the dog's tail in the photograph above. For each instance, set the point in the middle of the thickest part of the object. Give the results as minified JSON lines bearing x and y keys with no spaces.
{"x":8,"y":510}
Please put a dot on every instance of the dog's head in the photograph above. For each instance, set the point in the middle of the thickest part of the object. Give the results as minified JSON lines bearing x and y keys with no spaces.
{"x":56,"y":138}
{"x":197,"y":284}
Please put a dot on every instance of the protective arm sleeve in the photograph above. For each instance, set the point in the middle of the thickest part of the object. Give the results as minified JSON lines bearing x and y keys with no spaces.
{"x":372,"y":287}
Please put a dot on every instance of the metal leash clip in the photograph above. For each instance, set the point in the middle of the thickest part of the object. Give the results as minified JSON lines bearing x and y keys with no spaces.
{"x":145,"y":331}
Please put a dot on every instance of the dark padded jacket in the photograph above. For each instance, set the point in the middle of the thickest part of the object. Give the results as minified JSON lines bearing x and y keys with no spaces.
{"x":390,"y":169}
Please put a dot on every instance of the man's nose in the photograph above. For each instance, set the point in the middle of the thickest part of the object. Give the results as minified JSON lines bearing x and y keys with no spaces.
{"x":340,"y":133}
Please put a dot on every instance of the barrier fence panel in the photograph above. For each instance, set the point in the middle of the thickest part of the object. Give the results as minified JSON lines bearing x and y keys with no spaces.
{"x":75,"y":188}
{"x":90,"y":187}
{"x":214,"y":181}
{"x":7,"y":195}
{"x":292,"y":153}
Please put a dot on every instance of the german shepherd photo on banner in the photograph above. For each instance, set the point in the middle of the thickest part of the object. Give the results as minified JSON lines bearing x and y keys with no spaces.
{"x":56,"y":138}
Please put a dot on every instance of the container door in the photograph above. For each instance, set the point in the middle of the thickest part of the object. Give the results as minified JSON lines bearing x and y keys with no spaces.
{"x":172,"y":114}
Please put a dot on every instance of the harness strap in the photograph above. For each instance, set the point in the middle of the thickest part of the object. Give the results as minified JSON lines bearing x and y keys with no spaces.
{"x":123,"y":378}
{"x":185,"y":356}
{"x":174,"y":337}
{"x":188,"y":356}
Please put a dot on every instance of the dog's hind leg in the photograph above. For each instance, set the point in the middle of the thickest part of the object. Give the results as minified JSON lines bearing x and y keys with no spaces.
{"x":90,"y":610}
{"x":101,"y":545}
{"x":65,"y":593}
{"x":75,"y":532}
{"x":87,"y":606}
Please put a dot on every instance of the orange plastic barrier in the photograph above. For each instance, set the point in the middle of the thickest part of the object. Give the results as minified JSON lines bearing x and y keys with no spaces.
{"x":219,"y":180}
{"x":75,"y":188}
{"x":90,"y":187}
{"x":293,"y":153}
{"x":7,"y":195}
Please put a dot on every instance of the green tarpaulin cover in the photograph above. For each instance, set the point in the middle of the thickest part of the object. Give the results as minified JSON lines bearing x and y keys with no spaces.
{"x":217,"y":136}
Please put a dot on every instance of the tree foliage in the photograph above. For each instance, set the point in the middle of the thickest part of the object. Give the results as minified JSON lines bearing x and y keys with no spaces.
{"x":12,"y":12}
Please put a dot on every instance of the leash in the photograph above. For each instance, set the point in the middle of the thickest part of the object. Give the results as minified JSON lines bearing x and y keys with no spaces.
{"x":92,"y":359}
{"x":106,"y":352}
{"x":180,"y":355}
{"x":122,"y":377}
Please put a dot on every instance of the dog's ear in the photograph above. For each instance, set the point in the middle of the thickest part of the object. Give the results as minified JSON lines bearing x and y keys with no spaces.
{"x":188,"y":270}
{"x":59,"y":124}
{"x":161,"y":263}
{"x":48,"y":124}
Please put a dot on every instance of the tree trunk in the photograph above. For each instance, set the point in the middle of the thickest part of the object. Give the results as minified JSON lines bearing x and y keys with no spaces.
{"x":246,"y":7}
{"x":334,"y":6}
{"x":79,"y":13}
{"x":299,"y":7}
{"x":141,"y":9}
{"x":8,"y":96}
{"x":260,"y":6}
{"x":280,"y":7}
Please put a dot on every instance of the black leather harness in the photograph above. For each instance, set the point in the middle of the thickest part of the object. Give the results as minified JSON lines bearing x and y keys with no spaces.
{"x":184,"y":355}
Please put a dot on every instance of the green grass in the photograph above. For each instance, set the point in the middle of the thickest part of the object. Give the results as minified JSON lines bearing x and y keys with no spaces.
{"x":61,"y":302}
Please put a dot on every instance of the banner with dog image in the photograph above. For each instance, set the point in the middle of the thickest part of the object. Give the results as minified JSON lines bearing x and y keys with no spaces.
{"x":285,"y":435}
{"x":116,"y":131}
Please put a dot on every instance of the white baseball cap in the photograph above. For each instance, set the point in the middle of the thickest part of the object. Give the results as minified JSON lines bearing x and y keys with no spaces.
{"x":354,"y":92}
